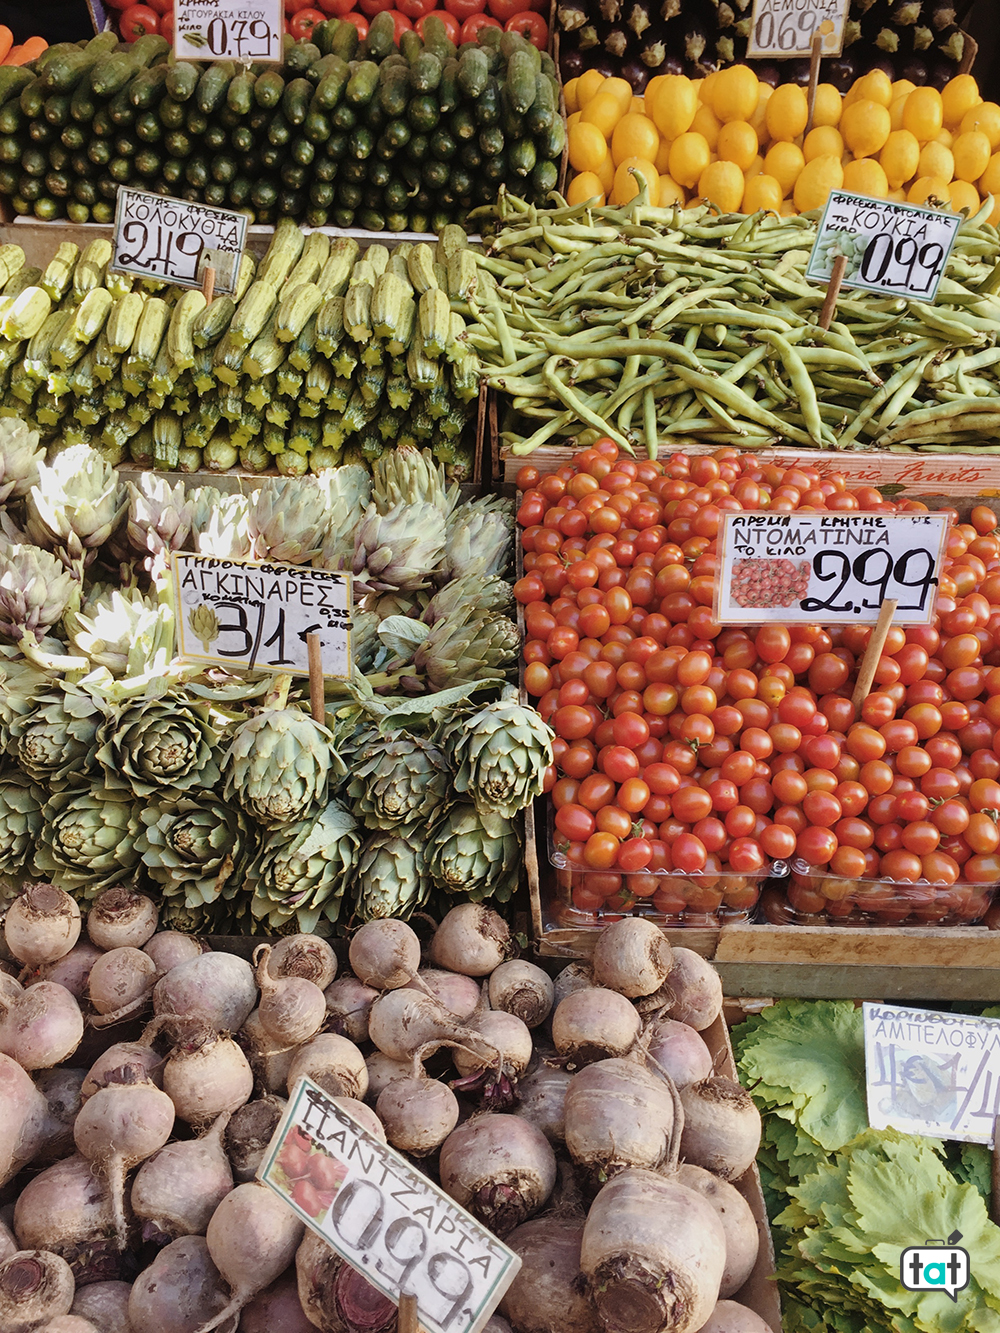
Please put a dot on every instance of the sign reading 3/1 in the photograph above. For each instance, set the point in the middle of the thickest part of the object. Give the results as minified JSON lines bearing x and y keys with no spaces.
{"x":894,"y":249}
{"x":828,"y":567}
{"x":228,"y":30}
{"x":244,"y":614}
{"x":404,"y":1234}
{"x":785,"y":27}
{"x":174,"y":241}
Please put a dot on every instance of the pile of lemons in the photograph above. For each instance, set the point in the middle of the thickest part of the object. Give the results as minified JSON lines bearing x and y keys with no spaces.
{"x":737,"y":142}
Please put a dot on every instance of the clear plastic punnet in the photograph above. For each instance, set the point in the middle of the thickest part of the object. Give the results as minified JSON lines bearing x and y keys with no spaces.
{"x":814,"y":896}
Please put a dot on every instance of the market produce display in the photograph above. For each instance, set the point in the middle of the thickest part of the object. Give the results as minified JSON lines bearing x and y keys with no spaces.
{"x":527,"y":1070}
{"x":635,"y":39}
{"x":736,"y":142}
{"x":844,"y":1198}
{"x":327,"y":353}
{"x":657,"y":325}
{"x":347,"y":131}
{"x":688,"y":755}
{"x":223,"y":793}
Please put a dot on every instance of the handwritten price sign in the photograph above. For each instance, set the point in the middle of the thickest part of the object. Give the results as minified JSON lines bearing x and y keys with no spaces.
{"x":168,"y":239}
{"x":828,"y":567}
{"x":894,"y":249}
{"x":227,"y":30}
{"x":785,"y":28}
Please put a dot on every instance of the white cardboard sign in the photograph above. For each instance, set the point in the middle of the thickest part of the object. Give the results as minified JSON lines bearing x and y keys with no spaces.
{"x":929,"y":1073}
{"x":228,"y":30}
{"x":783,"y":28}
{"x":833,"y":568}
{"x":384,"y":1217}
{"x":247,"y":614}
{"x":175,"y":241}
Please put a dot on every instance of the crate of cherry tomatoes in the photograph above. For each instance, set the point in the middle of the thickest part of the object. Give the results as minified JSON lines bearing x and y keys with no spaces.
{"x":692,"y":762}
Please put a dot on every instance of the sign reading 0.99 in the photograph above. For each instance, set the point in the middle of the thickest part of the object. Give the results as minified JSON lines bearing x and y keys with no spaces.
{"x":828,"y":568}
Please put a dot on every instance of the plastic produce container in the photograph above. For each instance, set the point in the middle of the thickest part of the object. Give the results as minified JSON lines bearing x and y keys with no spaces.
{"x":815,"y":897}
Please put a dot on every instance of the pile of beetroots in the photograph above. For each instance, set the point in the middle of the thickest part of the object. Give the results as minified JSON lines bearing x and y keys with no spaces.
{"x":689,"y":756}
{"x":142,"y":1077}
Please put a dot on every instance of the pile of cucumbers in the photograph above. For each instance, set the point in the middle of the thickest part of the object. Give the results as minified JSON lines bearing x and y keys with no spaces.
{"x":345,"y":132}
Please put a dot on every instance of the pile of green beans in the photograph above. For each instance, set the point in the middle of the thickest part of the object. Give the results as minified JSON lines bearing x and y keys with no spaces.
{"x":655,"y":326}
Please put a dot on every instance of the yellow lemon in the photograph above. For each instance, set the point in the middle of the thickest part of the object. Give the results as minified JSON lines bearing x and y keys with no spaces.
{"x":707,"y":124}
{"x":587,"y":86}
{"x":945,"y":139}
{"x":570,"y":92}
{"x":734,"y":93}
{"x":761,"y":192}
{"x":662,"y":159}
{"x":626,"y":186}
{"x":984,"y":117}
{"x":865,"y":126}
{"x":923,"y":114}
{"x":759,"y":118}
{"x":896,"y":114}
{"x":965,"y":196}
{"x":670,"y":193}
{"x":866,"y":176}
{"x":652,"y":88}
{"x":634,"y":136}
{"x":603,"y":112}
{"x":829,"y":106}
{"x":689,"y":156}
{"x":737,"y":143}
{"x":936,"y":160}
{"x":703,"y":86}
{"x":972,"y":155}
{"x":824,"y":141}
{"x":897,"y":196}
{"x":788,"y":209}
{"x":958,"y":97}
{"x":722,"y":184}
{"x":929,"y":190}
{"x":674,"y":105}
{"x":784,"y":162}
{"x":605,"y":171}
{"x":989,"y":182}
{"x":573,"y":119}
{"x":756,"y":168}
{"x":585,"y":188}
{"x":994,"y":217}
{"x":638,"y":106}
{"x":816,"y":180}
{"x":901,"y":87}
{"x":787,"y":112}
{"x":621,"y":91}
{"x":587,"y":146}
{"x":900,"y":158}
{"x":875,"y":87}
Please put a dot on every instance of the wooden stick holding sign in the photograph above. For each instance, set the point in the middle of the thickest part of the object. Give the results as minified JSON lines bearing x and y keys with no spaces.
{"x":815,"y":55}
{"x":872,"y":653}
{"x":995,"y":1191}
{"x":408,"y":1321}
{"x":208,"y":284}
{"x":317,"y":702}
{"x":833,"y":292}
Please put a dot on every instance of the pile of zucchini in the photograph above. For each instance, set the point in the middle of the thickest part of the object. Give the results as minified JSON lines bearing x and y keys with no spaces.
{"x":346,"y":132}
{"x":324,"y":355}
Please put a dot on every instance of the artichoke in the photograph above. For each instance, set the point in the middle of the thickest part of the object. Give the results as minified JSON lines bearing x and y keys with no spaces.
{"x":407,"y":476}
{"x":347,"y":494}
{"x":397,"y":780}
{"x":278,"y":766}
{"x":20,"y":684}
{"x":490,"y":593}
{"x":466,"y":857}
{"x":220,"y":524}
{"x":20,"y":454}
{"x":392,"y":875}
{"x":196,"y":850}
{"x":20,"y":820}
{"x":467,"y":646}
{"x":301,"y":872}
{"x":159,"y":515}
{"x":288,"y":520}
{"x":55,"y":738}
{"x":154,"y":744}
{"x":87,"y":838}
{"x":500,"y":756}
{"x":35,"y":591}
{"x":76,"y":505}
{"x":365,"y":643}
{"x":401,"y":549}
{"x":480,"y":540}
{"x":122,"y":631}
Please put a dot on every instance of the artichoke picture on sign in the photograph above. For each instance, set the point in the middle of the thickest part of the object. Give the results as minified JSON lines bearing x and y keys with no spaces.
{"x":204,"y":625}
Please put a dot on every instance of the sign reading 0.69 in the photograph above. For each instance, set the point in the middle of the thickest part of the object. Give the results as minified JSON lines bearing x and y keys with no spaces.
{"x":828,"y":568}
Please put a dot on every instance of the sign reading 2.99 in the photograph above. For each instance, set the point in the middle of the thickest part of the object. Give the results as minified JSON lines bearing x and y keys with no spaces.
{"x":828,"y":567}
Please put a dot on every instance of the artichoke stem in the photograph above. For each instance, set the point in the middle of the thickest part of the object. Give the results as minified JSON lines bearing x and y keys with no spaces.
{"x":50,"y":661}
{"x":277,"y":695}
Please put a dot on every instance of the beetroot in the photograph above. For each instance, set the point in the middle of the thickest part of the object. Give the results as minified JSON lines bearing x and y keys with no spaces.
{"x":547,"y":1295}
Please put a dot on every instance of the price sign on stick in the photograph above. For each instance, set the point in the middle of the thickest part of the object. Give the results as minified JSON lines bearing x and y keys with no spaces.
{"x":228,"y":30}
{"x":244,"y":614}
{"x":893,"y":249}
{"x":831,"y":568}
{"x":384,"y":1216}
{"x":785,"y":28}
{"x":174,"y":241}
{"x":932,"y":1073}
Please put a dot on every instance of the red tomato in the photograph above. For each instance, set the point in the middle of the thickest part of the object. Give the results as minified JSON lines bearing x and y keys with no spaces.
{"x":293,"y":6}
{"x":359,"y":21}
{"x":161,"y":7}
{"x":533,"y":28}
{"x":451,"y":25}
{"x":401,"y":23}
{"x":465,"y":9}
{"x":167,"y":24}
{"x":416,"y":9}
{"x":138,"y":21}
{"x":504,"y":10}
{"x":336,"y":8}
{"x":372,"y":7}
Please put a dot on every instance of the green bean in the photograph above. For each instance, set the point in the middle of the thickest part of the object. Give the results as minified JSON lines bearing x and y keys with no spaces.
{"x":576,"y":404}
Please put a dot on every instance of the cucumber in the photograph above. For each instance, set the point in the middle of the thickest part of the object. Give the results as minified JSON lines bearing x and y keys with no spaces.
{"x":394,"y":89}
{"x":434,"y":174}
{"x":271,"y":158}
{"x":379,"y":172}
{"x":178,"y":143}
{"x":487,"y":107}
{"x":551,"y":144}
{"x":120,"y":109}
{"x":213,"y":86}
{"x":381,"y":37}
{"x":41,"y":132}
{"x":196,"y":122}
{"x":242,"y":139}
{"x":343,"y":117}
{"x":448,"y":90}
{"x":171,"y":113}
{"x":32,"y":98}
{"x":268,"y":90}
{"x":473,"y":71}
{"x":317,"y":127}
{"x":522,"y":157}
{"x":302,"y":151}
{"x":321,"y":194}
{"x":73,"y":138}
{"x":82,"y":105}
{"x":410,"y":46}
{"x":215,"y":138}
{"x":295,"y":100}
{"x":425,"y":72}
{"x":149,"y":87}
{"x":196,"y":171}
{"x":294,"y":176}
{"x":418,"y":148}
{"x":240,"y":191}
{"x":397,"y":134}
{"x":12,"y":118}
{"x":279,"y":131}
{"x":491,"y":141}
{"x":13,"y":80}
{"x":443,"y":146}
{"x":362,"y":84}
{"x":120,"y":170}
{"x":324,"y":170}
{"x":345,"y":41}
{"x":423,"y":114}
{"x":462,"y":125}
{"x":330,"y":88}
{"x":34,"y":162}
{"x":395,"y":196}
{"x":102,"y":124}
{"x":300,"y":55}
{"x":436,"y":38}
{"x":239,"y":95}
{"x":99,"y":152}
{"x":519,"y":84}
{"x":544,"y":179}
{"x":182,"y":80}
{"x":335,"y":147}
{"x":149,"y":127}
{"x":10,"y":149}
{"x":545,"y":106}
{"x":112,"y":73}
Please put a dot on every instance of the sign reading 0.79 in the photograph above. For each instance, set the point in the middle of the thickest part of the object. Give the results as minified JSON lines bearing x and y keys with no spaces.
{"x":828,"y":568}
{"x":228,"y":30}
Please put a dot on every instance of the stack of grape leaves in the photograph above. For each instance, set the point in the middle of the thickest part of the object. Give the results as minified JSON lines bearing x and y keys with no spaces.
{"x":846,"y":1200}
